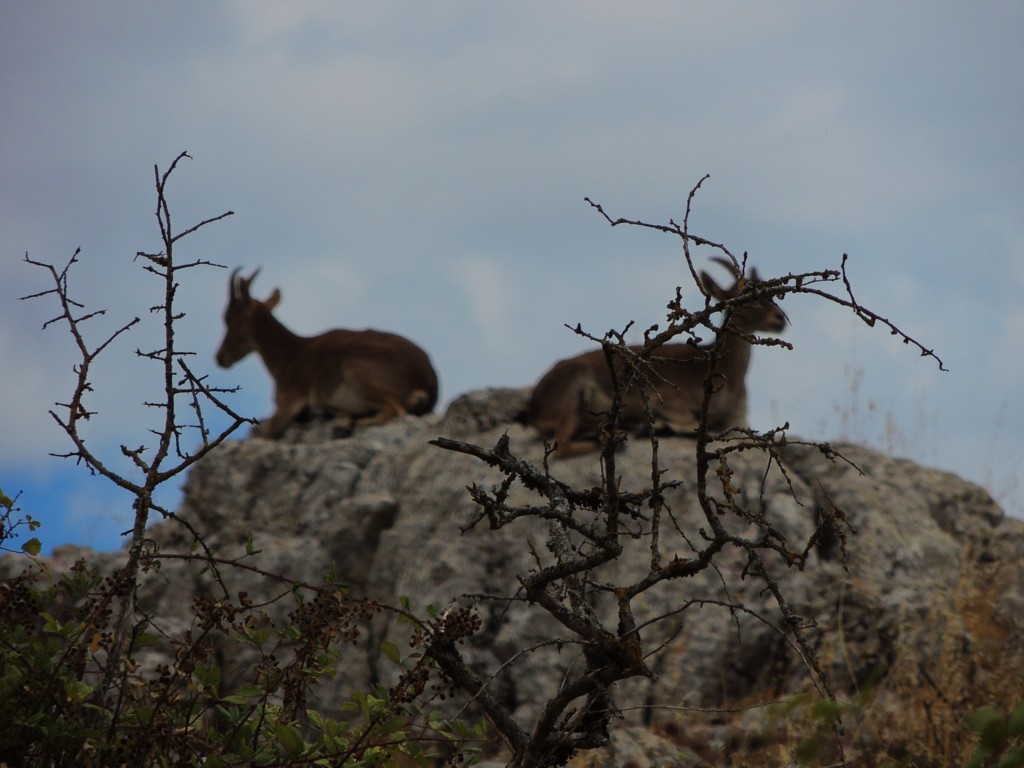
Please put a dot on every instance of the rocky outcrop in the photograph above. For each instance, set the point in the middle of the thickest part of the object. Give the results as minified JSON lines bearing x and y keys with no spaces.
{"x":927,"y":611}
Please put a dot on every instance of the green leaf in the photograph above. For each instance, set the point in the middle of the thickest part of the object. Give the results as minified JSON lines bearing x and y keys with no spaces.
{"x":826,"y":710}
{"x":977,"y":759}
{"x":231,"y":714}
{"x":247,"y":694}
{"x":990,"y":726}
{"x":288,"y":736}
{"x":994,"y":734}
{"x":77,"y":690}
{"x":50,"y":624}
{"x":32,"y":547}
{"x":807,"y":751}
{"x":980,"y":719}
{"x":145,"y":640}
{"x":391,"y":652}
{"x":315,"y":718}
{"x":1016,"y":723}
{"x":1012,"y":759}
{"x":207,"y":674}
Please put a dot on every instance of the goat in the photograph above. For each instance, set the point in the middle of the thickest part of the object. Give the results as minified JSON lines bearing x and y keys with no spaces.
{"x":569,"y":402}
{"x":363,"y":377}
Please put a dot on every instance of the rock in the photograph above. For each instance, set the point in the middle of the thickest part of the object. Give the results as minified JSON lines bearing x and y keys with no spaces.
{"x":932,"y":593}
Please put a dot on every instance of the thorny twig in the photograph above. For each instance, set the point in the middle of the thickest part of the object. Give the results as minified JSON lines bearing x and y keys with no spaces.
{"x":149,"y":462}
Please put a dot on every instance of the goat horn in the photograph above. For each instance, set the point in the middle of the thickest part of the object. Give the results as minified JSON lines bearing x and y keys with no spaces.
{"x":233,"y":283}
{"x":729,"y":264}
{"x":245,"y":282}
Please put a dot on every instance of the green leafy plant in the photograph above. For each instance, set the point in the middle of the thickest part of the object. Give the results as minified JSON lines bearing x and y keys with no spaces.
{"x":1000,"y":738}
{"x":11,"y":521}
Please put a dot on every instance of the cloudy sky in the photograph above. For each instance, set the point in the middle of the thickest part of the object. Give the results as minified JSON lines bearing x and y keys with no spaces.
{"x":422,"y":168}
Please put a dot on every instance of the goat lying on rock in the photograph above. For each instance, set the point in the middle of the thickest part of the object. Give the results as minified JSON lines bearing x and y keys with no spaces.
{"x":569,"y":402}
{"x":362,"y":377}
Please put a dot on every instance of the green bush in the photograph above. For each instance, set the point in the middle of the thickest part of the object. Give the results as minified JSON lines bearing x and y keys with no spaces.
{"x":56,"y":637}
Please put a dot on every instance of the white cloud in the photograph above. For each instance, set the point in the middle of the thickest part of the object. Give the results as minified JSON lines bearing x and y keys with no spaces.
{"x":493,"y":296}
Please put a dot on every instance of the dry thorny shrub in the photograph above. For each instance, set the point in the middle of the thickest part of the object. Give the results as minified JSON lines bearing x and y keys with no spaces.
{"x":589,"y":527}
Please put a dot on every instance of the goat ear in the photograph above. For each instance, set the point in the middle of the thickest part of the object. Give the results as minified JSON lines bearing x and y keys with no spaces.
{"x":274,"y":300}
{"x":711,"y":286}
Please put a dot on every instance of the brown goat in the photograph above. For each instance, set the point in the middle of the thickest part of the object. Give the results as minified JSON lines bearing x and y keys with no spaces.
{"x":362,"y":377}
{"x":570,"y":400}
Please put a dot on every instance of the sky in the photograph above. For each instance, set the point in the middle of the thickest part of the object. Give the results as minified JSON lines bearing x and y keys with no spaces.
{"x":422,"y":168}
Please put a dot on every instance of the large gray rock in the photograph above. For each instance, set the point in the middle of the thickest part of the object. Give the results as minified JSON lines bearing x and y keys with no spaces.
{"x":933,"y":580}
